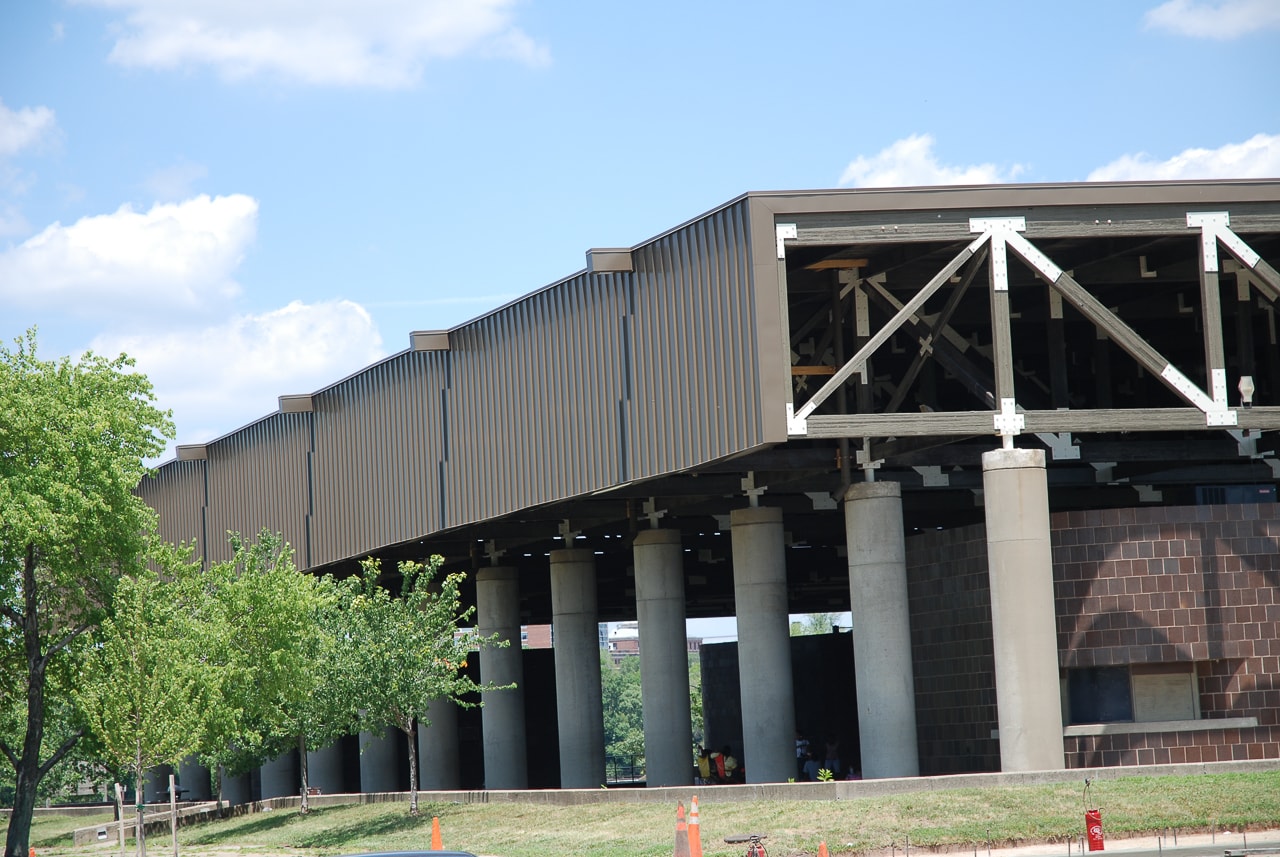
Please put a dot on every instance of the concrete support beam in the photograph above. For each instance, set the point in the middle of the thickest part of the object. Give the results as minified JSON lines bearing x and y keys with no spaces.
{"x":506,"y":764}
{"x":881,"y":630}
{"x":664,"y":658}
{"x":1015,"y":488}
{"x":438,"y":767}
{"x":324,"y":769}
{"x":764,"y":645}
{"x":579,"y":709}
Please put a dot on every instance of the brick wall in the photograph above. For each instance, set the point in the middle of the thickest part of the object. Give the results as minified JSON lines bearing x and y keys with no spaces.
{"x":1192,"y":584}
{"x":1195,"y":584}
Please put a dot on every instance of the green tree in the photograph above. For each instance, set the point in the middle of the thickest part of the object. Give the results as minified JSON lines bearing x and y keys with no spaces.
{"x":145,"y":687}
{"x":73,"y":439}
{"x":815,"y":623}
{"x":623,"y":707}
{"x":268,"y":635}
{"x":405,"y":649}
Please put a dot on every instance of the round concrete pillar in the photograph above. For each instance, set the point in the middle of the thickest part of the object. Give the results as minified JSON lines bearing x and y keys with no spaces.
{"x":279,"y":777}
{"x":579,"y":709}
{"x":1020,"y":565}
{"x":881,"y":630}
{"x":664,"y":658}
{"x":324,"y":769}
{"x":194,"y":777}
{"x":438,"y":768}
{"x":506,"y":763}
{"x":379,"y":762}
{"x":236,"y":790}
{"x":764,"y":645}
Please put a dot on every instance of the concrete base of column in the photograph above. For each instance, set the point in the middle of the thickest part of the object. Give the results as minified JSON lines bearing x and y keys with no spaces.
{"x":881,"y":630}
{"x":280,"y":776}
{"x":764,"y":645}
{"x":438,"y":768}
{"x":1023,"y":620}
{"x":579,"y":708}
{"x":506,"y":763}
{"x":379,"y":762}
{"x":324,"y":769}
{"x":664,"y":658}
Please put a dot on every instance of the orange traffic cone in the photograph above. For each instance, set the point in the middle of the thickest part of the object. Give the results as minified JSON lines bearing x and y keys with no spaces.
{"x":682,"y":832}
{"x":822,"y":849}
{"x":695,"y":830}
{"x":436,"y":844}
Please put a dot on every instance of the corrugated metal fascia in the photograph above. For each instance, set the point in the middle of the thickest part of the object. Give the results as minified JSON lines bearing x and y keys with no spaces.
{"x":258,"y":479}
{"x":696,"y":377}
{"x":379,"y":442}
{"x":177,"y":493}
{"x":541,"y":423}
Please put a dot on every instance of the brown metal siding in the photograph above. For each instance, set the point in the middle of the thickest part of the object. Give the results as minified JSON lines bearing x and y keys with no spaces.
{"x":534,"y":400}
{"x":695,"y":349}
{"x":177,"y":493}
{"x":257,"y":480}
{"x":379,"y":442}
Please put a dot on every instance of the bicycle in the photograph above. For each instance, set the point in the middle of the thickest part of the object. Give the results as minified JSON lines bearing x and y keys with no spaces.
{"x":755,"y":847}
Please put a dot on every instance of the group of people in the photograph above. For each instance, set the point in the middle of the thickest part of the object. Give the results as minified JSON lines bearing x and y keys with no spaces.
{"x":809,"y":761}
{"x":718,"y":767}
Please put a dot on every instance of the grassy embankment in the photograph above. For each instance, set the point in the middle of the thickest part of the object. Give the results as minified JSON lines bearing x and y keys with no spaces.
{"x":964,"y":821}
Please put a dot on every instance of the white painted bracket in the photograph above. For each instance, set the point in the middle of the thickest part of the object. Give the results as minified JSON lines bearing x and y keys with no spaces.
{"x":751,"y":491}
{"x":1060,"y":445}
{"x":933,"y":476}
{"x":796,"y":426}
{"x":1246,"y":444}
{"x":653,"y":513}
{"x":1215,"y":413}
{"x":998,"y":230}
{"x":492,"y":551}
{"x":868,"y":464}
{"x":1009,"y":423}
{"x":1148,"y":494}
{"x":1104,"y":471}
{"x":821,"y":500}
{"x":783,"y":231}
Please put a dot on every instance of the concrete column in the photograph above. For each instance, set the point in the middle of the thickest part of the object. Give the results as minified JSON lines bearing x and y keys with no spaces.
{"x":236,"y":790}
{"x":1020,"y":564}
{"x":438,"y":748}
{"x":324,"y":769}
{"x":881,"y":630}
{"x":194,"y":777}
{"x":156,"y":784}
{"x":664,"y":658}
{"x":279,"y":777}
{"x":764,"y":645}
{"x":506,"y":763}
{"x":379,"y":762}
{"x":579,"y":709}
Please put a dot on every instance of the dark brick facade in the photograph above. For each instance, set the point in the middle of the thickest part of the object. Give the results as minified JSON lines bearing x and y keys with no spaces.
{"x":1194,"y":584}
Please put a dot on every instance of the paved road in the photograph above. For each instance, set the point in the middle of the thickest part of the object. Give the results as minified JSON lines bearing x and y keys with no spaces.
{"x":1266,"y":843}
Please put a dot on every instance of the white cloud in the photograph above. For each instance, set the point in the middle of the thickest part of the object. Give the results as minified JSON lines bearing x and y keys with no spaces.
{"x":911,"y":162}
{"x":177,"y":255}
{"x":20,"y":129}
{"x":11,"y":222}
{"x":381,"y":43}
{"x":1257,"y":157}
{"x":219,"y":378}
{"x":1215,"y":19}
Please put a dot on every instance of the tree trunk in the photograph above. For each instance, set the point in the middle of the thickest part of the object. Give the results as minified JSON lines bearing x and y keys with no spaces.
{"x":222,"y":772}
{"x":413,"y":770}
{"x":24,"y":793}
{"x":305,"y":806}
{"x":139,"y":800}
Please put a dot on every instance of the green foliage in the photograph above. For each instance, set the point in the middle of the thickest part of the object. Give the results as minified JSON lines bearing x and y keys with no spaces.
{"x":814,"y":623}
{"x":402,"y":648}
{"x":73,"y":439}
{"x":825,"y":776}
{"x":623,"y":707}
{"x":695,"y":697}
{"x":268,"y":636}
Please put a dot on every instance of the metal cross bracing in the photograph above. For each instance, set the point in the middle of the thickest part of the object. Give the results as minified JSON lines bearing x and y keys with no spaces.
{"x":1124,"y":338}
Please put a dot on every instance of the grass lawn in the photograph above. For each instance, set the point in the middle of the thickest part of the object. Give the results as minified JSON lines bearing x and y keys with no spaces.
{"x":961,"y":819}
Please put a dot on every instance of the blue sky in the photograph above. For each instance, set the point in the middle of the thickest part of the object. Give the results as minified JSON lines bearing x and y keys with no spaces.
{"x":258,"y":197}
